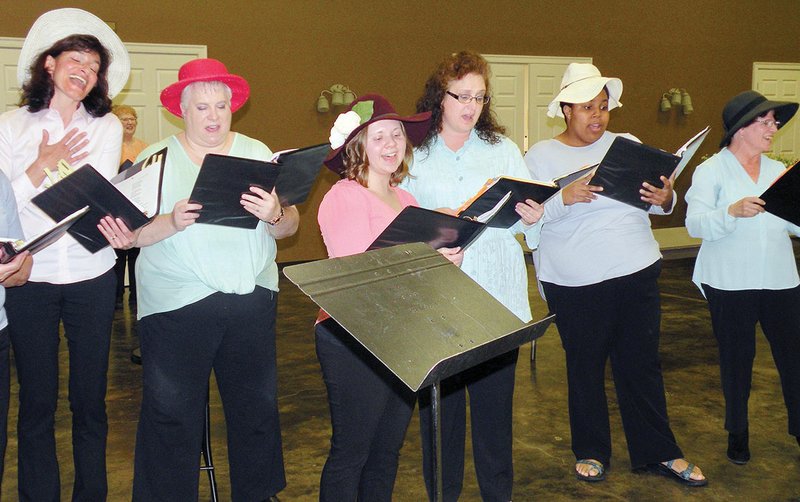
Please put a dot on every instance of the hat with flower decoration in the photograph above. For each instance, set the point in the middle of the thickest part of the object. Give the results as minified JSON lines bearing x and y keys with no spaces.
{"x":364,"y":111}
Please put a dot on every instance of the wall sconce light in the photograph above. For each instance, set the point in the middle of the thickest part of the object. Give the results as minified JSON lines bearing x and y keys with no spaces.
{"x":341,"y":95}
{"x":677,"y":97}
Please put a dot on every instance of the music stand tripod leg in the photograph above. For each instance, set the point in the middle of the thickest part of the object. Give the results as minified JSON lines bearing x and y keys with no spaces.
{"x":436,"y":415}
{"x":208,"y":462}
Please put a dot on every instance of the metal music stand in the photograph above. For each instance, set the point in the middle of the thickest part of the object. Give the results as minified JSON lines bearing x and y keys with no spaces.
{"x":418,"y":314}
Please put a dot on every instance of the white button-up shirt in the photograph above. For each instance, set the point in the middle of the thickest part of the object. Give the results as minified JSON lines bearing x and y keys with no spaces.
{"x":65,"y":261}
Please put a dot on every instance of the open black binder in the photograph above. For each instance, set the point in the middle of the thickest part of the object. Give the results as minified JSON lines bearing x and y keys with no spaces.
{"x":782,"y":198}
{"x":220,"y":185}
{"x":628,"y":164}
{"x":298,"y":172}
{"x":11,"y":248}
{"x":497,"y":191}
{"x":416,"y":224}
{"x":87,"y":187}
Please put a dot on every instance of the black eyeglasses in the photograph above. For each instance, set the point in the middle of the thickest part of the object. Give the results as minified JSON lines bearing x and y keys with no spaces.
{"x":467,"y":99}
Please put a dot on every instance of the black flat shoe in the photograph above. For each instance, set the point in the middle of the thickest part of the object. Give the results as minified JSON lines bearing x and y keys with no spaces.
{"x":738,"y":447}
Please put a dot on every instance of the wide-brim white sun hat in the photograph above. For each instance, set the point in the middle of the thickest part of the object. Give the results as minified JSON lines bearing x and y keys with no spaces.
{"x":56,"y":24}
{"x":581,"y":83}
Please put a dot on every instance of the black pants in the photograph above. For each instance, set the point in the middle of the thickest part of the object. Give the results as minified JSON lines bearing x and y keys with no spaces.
{"x":34,"y":311}
{"x":734,"y":315}
{"x":618,"y":319}
{"x":5,"y":391}
{"x":370,"y":410}
{"x":491,"y":394}
{"x":235,"y":336}
{"x":126,"y":257}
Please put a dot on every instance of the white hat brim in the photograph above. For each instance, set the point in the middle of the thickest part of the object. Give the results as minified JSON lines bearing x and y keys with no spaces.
{"x":56,"y":24}
{"x":586,"y":90}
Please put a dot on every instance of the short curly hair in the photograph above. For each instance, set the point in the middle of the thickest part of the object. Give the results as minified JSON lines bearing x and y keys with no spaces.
{"x":455,"y":67}
{"x":120,"y":109}
{"x":38,"y":90}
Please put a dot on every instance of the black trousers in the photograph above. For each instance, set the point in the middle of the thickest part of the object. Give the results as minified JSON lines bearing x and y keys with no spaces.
{"x":5,"y":391}
{"x":235,"y":336}
{"x":491,"y":394}
{"x":617,"y":319}
{"x":126,"y":257}
{"x":734,"y":315}
{"x":86,"y":309}
{"x":370,"y":410}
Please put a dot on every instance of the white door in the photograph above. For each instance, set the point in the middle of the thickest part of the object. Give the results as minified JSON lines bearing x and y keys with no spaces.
{"x":153,"y":67}
{"x":508,"y":84}
{"x":522,"y":87}
{"x":781,"y":82}
{"x":9,"y":55}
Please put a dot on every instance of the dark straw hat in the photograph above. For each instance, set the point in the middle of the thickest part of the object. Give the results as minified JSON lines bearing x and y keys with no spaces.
{"x":749,"y":105}
{"x":362,"y":112}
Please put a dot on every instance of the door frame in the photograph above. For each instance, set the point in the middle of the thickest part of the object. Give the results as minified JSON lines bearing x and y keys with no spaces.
{"x":530,"y":60}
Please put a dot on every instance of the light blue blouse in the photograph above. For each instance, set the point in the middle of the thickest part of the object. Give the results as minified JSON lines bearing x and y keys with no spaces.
{"x":444,"y":178}
{"x":10,"y":228}
{"x":738,"y":253}
{"x":202,"y":259}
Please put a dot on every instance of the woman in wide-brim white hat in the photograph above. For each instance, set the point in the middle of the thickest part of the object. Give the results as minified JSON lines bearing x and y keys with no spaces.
{"x":598,"y":263}
{"x":70,"y":66}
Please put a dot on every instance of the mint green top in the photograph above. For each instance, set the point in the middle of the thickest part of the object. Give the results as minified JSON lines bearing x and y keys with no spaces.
{"x":202,"y":259}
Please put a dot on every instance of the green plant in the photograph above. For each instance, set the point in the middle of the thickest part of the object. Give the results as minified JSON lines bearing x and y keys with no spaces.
{"x":786,"y":160}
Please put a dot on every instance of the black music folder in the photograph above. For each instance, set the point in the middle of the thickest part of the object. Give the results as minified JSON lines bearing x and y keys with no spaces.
{"x":495,"y":202}
{"x":566,"y":179}
{"x":220,"y":185}
{"x":416,"y":224}
{"x":9,"y":248}
{"x":87,"y":187}
{"x":298,"y":172}
{"x":628,"y":164}
{"x":781,"y":198}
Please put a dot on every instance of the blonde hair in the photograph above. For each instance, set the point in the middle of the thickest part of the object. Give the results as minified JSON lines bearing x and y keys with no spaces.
{"x":120,"y":109}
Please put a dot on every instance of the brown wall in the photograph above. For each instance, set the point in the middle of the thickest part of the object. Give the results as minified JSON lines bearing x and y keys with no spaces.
{"x":289,"y":50}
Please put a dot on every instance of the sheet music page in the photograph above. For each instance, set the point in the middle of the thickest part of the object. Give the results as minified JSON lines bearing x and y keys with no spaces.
{"x":141,"y":183}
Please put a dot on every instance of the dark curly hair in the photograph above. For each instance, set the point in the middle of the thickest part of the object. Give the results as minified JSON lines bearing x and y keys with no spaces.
{"x":38,"y":90}
{"x":455,"y":67}
{"x":356,"y":163}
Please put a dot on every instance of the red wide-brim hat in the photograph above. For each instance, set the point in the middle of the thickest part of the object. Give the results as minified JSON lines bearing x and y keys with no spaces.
{"x":204,"y":70}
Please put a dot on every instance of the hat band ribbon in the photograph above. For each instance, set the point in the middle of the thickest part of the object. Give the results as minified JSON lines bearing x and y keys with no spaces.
{"x":581,"y":79}
{"x":746,"y":109}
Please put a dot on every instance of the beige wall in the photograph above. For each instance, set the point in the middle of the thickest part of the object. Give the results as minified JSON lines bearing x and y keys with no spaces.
{"x":289,"y":50}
